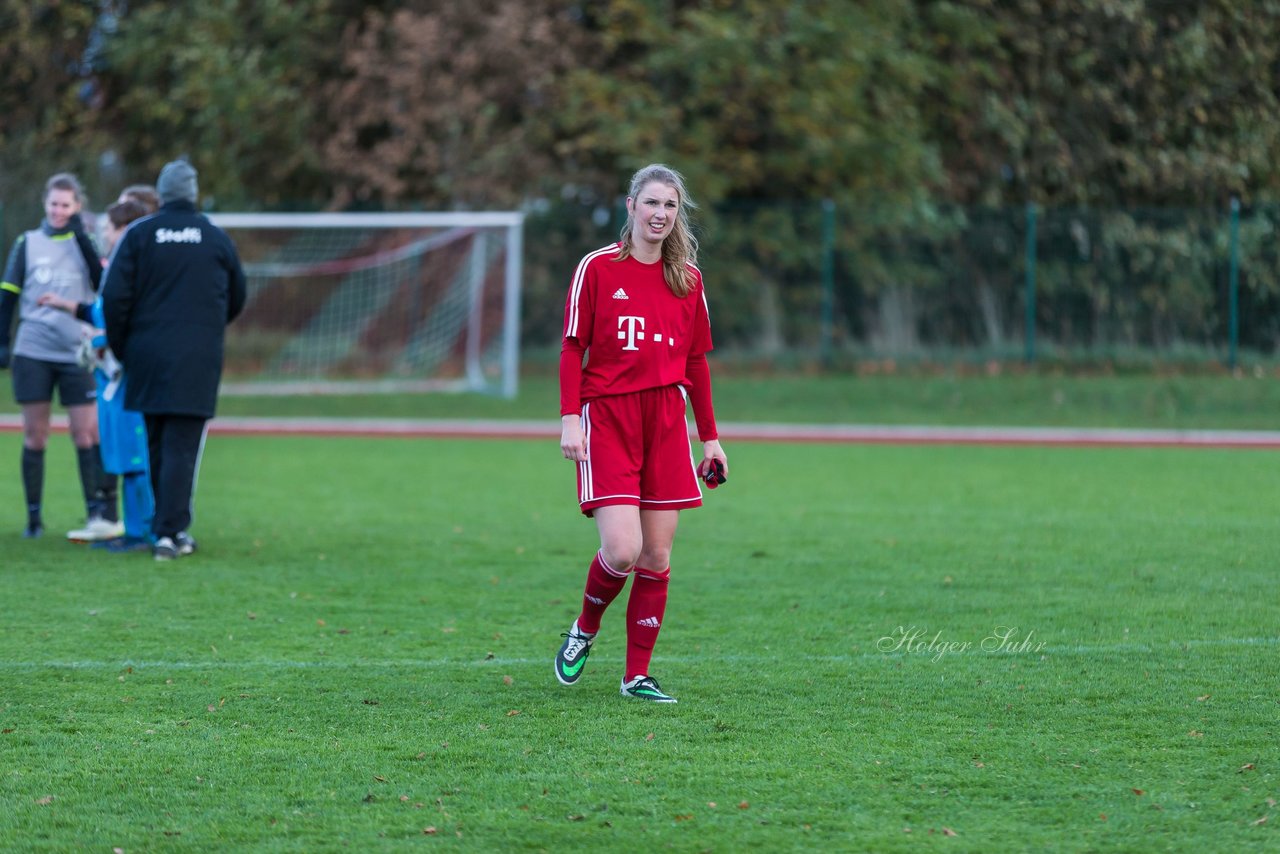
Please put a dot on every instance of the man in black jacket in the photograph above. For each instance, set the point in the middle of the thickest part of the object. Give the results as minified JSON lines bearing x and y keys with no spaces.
{"x":173,"y":284}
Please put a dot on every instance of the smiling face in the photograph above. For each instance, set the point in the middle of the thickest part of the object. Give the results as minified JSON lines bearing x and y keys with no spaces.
{"x":653,"y":214}
{"x":60,"y":206}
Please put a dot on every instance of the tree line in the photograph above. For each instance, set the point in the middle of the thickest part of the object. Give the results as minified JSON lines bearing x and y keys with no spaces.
{"x":877,"y":105}
{"x":337,"y":103}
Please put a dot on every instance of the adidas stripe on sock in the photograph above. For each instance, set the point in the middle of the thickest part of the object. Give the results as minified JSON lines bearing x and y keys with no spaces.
{"x":645,"y":608}
{"x":604,"y":583}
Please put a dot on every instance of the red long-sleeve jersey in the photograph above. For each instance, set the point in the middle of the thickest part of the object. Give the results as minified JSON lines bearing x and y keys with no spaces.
{"x":637,"y":334}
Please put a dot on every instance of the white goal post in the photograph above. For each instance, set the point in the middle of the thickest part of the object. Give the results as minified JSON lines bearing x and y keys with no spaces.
{"x":354,"y":303}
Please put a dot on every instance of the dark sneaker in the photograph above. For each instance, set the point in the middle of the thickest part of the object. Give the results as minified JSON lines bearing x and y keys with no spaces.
{"x":123,"y":545}
{"x":164,"y":549}
{"x":33,"y":530}
{"x":573,"y":654}
{"x":646,"y":688}
{"x":185,"y":542}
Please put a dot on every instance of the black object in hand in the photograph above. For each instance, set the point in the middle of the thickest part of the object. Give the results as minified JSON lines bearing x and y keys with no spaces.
{"x":715,"y":474}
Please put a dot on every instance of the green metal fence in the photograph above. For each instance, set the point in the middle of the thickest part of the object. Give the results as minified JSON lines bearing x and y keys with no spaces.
{"x":829,"y":284}
{"x":819,"y":281}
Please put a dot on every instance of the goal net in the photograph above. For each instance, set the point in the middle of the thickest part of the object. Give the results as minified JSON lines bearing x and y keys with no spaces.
{"x":362,"y":303}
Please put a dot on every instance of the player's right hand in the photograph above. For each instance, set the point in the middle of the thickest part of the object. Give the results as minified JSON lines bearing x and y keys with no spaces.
{"x":57,"y":302}
{"x":573,"y":443}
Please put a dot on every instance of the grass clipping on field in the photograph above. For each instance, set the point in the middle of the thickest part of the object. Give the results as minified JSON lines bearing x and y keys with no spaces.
{"x":995,"y":647}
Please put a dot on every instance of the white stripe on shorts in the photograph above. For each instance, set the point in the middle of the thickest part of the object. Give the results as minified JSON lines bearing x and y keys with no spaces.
{"x":584,"y":467}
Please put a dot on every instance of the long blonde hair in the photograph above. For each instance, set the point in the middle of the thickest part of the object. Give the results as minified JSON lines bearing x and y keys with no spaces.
{"x":680,"y":247}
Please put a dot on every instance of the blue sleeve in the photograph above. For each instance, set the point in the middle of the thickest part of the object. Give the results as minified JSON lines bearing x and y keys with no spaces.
{"x":84,"y":313}
{"x":8,"y":301}
{"x":15,"y":274}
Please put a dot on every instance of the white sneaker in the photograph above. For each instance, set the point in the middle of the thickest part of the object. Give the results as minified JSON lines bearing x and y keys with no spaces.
{"x":164,"y":549}
{"x":646,"y":688}
{"x":185,"y":543}
{"x":573,"y":654}
{"x":96,"y":530}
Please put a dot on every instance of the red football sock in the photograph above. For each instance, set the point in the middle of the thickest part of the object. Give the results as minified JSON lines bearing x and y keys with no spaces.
{"x":645,"y":607}
{"x":604,"y":583}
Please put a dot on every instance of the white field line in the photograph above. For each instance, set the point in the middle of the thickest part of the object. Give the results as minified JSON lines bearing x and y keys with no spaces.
{"x":834,"y":433}
{"x":500,"y":661}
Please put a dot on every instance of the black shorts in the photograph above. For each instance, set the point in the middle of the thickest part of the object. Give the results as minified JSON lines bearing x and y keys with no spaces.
{"x":35,"y":379}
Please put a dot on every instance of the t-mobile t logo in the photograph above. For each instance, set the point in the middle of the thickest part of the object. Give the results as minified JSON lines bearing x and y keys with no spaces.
{"x":631,"y":330}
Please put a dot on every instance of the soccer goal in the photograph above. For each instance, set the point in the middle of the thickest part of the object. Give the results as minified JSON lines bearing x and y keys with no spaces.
{"x":381,"y":302}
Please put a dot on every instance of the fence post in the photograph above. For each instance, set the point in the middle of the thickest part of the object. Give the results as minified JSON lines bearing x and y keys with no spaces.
{"x":619,"y":216}
{"x":827,"y":329}
{"x":1233,"y":286}
{"x":1030,"y":334}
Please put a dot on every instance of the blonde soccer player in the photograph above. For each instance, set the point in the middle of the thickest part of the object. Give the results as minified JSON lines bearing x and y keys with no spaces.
{"x":637,"y":310}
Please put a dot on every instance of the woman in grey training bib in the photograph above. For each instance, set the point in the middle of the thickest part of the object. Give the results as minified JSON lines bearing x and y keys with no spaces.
{"x":57,"y":258}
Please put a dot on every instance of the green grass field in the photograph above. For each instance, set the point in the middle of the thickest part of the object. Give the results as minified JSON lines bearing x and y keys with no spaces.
{"x":360,"y":657}
{"x":1029,"y":399}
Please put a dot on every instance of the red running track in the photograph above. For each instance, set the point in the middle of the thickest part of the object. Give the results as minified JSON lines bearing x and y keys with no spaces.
{"x":866,"y":434}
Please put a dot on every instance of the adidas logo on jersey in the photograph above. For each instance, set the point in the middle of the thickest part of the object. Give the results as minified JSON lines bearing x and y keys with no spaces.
{"x":649,"y":623}
{"x":620,"y":294}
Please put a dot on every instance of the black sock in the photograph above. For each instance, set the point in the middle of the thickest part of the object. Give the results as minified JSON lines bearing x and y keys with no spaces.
{"x":33,"y":482}
{"x":107,"y":494}
{"x":90,"y":479}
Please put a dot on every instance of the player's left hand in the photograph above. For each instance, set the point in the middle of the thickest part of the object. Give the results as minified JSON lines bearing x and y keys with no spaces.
{"x":712,"y":451}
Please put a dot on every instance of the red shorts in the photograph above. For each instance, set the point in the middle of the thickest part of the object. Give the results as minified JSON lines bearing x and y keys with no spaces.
{"x":638,"y":452}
